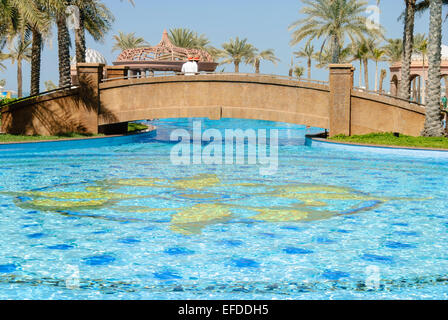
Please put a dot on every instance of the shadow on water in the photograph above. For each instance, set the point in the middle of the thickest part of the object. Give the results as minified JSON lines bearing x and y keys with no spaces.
{"x":288,"y":134}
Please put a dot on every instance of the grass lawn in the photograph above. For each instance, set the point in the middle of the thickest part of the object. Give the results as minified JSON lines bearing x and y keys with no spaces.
{"x":132,"y":127}
{"x":14,"y":138}
{"x":390,"y":140}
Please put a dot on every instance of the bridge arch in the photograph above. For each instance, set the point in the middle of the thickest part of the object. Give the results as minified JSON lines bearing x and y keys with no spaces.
{"x":109,"y":104}
{"x":216,"y":96}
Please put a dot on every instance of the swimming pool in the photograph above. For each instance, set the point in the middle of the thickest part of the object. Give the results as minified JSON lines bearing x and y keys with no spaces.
{"x":122,"y":222}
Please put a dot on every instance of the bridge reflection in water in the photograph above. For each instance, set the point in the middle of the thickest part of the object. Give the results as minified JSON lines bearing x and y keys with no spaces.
{"x":288,"y":134}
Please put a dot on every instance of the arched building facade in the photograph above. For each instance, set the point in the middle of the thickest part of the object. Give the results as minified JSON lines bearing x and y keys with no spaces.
{"x":419,"y":76}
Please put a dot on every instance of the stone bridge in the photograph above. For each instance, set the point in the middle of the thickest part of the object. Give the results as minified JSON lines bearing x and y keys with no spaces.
{"x":106,"y":105}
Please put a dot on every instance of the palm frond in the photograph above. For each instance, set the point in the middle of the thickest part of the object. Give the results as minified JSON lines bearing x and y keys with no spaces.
{"x":333,"y":20}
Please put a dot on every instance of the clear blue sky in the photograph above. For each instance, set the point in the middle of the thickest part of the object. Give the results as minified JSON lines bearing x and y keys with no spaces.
{"x":264,"y":23}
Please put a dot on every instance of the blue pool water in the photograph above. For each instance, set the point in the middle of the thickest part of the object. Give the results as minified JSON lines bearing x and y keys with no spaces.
{"x":121,"y":222}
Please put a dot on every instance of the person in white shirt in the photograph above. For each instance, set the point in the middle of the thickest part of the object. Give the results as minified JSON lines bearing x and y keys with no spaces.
{"x":190,"y":68}
{"x":196,"y":60}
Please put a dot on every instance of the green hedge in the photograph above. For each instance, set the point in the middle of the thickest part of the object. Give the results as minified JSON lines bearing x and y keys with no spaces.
{"x":6,"y":101}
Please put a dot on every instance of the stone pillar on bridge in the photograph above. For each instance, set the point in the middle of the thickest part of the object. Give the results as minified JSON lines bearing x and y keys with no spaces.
{"x":116,"y":72}
{"x":341,"y":85}
{"x":90,"y":76}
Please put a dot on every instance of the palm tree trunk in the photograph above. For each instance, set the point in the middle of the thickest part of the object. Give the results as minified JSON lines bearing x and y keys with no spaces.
{"x":424,"y":81}
{"x":63,"y":52}
{"x":360,"y":73}
{"x":336,"y":49}
{"x":419,"y":90}
{"x":237,"y":66}
{"x":408,"y":40}
{"x":80,"y":40}
{"x":414,"y":89}
{"x":376,"y":76}
{"x":433,"y":123}
{"x":257,"y":66}
{"x":382,"y":76}
{"x":366,"y":73}
{"x":309,"y":68}
{"x":19,"y":79}
{"x":36,"y":52}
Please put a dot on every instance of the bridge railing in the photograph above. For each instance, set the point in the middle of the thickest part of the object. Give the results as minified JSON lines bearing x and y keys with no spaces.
{"x":172,"y":74}
{"x":41,"y":94}
{"x":382,"y":94}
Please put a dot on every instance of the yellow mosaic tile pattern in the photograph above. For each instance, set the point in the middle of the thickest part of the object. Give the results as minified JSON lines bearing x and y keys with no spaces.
{"x":306,"y":202}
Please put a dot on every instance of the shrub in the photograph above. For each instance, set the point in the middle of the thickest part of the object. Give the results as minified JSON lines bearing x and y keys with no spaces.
{"x":6,"y":101}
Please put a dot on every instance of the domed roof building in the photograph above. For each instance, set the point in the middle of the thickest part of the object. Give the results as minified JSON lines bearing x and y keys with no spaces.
{"x":92,"y":56}
{"x":419,"y":75}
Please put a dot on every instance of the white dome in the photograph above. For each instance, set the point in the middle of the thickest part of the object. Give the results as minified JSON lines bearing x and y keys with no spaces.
{"x":92,"y":56}
{"x":444,"y":51}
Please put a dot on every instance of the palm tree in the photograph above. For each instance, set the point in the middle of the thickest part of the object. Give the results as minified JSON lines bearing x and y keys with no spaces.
{"x":308,"y":53}
{"x":433,"y":123}
{"x":369,"y":45}
{"x":325,"y":57}
{"x":377,"y":55}
{"x":9,"y":21}
{"x":186,"y":38}
{"x":215,"y":53}
{"x":124,"y":41}
{"x":58,"y":9}
{"x":4,"y":14}
{"x":20,"y":52}
{"x":393,"y":50}
{"x":299,"y":71}
{"x":382,"y":77}
{"x":181,"y":37}
{"x":423,"y":5}
{"x":36,"y":61}
{"x":49,"y":85}
{"x":291,"y":68}
{"x":26,"y":16}
{"x":39,"y":31}
{"x":201,"y":42}
{"x":2,"y":42}
{"x":408,"y":40}
{"x":2,"y":57}
{"x":359,"y":52}
{"x":237,"y":51}
{"x":332,"y":20}
{"x":6,"y":19}
{"x":39,"y":23}
{"x":267,"y":55}
{"x":421,"y":46}
{"x":94,"y":17}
